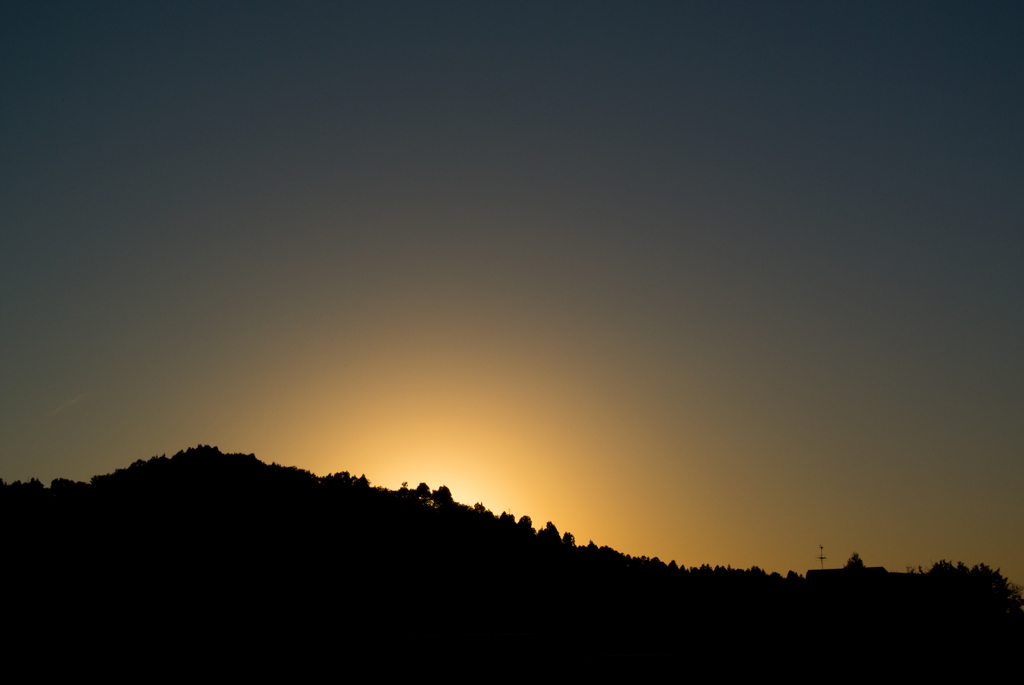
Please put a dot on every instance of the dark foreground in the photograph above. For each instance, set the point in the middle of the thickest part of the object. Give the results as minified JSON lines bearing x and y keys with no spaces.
{"x":219,"y":556}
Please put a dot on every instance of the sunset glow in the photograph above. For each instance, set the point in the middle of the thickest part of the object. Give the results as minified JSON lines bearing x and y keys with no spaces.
{"x":714,"y":285}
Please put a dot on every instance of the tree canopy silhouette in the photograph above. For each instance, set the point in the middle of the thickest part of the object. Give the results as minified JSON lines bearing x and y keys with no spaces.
{"x":854,"y":562}
{"x":220,"y":544}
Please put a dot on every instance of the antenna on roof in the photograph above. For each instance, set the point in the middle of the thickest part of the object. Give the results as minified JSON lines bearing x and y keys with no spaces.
{"x":821,"y":556}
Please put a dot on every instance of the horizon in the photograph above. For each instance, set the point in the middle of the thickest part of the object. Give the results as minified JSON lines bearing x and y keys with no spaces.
{"x":707,"y":283}
{"x":854,"y":556}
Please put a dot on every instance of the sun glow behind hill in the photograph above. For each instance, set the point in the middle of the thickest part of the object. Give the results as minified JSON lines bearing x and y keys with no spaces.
{"x":536,"y":435}
{"x":703,"y":284}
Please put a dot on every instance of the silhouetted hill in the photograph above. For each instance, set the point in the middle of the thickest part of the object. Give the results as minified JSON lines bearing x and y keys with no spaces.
{"x":222,"y":549}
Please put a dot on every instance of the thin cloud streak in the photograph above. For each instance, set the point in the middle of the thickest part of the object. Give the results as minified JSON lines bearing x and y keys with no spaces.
{"x":65,"y":406}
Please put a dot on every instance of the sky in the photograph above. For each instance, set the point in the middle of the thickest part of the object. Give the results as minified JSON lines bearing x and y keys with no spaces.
{"x":712,"y":282}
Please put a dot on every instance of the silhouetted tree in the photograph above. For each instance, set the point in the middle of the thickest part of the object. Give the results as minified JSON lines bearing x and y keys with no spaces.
{"x":549,"y":534}
{"x":442,"y":497}
{"x":980,"y":581}
{"x":423,"y":493}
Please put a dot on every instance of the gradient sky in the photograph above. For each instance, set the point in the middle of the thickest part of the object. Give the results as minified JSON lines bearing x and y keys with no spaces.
{"x":713,"y":282}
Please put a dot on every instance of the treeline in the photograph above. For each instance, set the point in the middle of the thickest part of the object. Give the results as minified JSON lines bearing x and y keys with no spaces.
{"x":219,"y":544}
